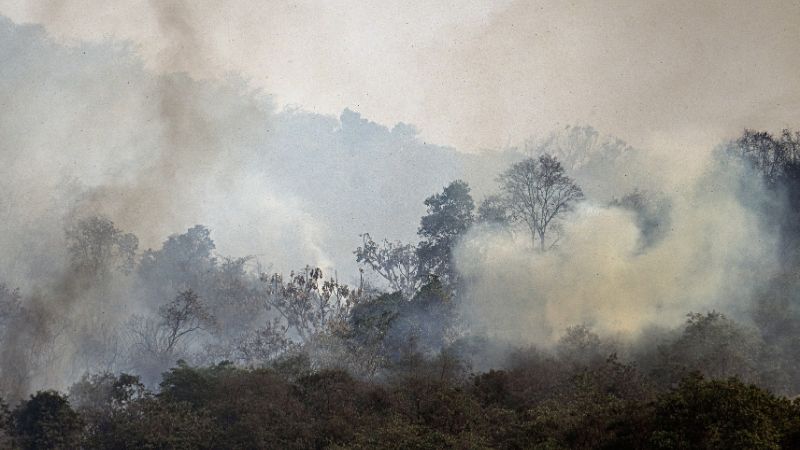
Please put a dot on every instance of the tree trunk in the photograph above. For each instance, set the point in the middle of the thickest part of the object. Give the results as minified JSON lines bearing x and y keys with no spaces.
{"x":541,"y":242}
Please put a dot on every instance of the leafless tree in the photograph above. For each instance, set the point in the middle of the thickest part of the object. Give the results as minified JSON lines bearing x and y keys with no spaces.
{"x":163,"y":337}
{"x":537,"y":192}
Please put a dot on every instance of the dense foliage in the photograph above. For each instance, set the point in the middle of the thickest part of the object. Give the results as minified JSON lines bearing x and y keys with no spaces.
{"x":539,"y":401}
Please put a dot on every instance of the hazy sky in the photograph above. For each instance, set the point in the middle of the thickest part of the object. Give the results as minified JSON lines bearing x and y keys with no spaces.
{"x":477,"y":74}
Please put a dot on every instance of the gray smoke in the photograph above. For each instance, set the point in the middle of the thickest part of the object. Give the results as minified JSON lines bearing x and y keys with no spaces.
{"x":711,"y":254}
{"x":90,"y":132}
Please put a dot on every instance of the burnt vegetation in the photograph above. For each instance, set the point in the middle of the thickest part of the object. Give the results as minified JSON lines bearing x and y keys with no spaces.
{"x":186,"y":348}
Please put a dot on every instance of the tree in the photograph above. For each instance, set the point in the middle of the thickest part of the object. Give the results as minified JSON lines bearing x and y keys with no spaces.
{"x":248,"y":408}
{"x":185,"y":261}
{"x":103,"y":393}
{"x":232,"y":296}
{"x":385,"y":330}
{"x":717,"y":347}
{"x":334,"y":397}
{"x":160,"y":340}
{"x":6,"y":426}
{"x":307,"y":302}
{"x":582,"y":147}
{"x":493,"y":210}
{"x":771,"y":156}
{"x":395,"y":262}
{"x":231,"y":292}
{"x":30,"y":334}
{"x":775,"y":313}
{"x":448,"y":217}
{"x":96,"y":246}
{"x":182,"y":316}
{"x":151,"y":423}
{"x":46,"y":420}
{"x":537,"y":192}
{"x":581,"y":346}
{"x":722,"y":414}
{"x":775,"y":160}
{"x":100,"y":399}
{"x":262,"y":345}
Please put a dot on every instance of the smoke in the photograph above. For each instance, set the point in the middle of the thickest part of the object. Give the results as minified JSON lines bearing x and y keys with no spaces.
{"x":134,"y":134}
{"x":713,"y":253}
{"x":89,"y":131}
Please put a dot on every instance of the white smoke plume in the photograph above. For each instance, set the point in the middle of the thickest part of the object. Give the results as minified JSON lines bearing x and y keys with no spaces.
{"x":712,"y":254}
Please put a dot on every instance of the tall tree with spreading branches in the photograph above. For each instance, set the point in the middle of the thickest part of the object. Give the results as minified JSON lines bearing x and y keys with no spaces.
{"x":537,"y":192}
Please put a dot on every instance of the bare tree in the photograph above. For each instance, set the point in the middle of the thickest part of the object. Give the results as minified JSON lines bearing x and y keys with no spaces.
{"x":395,"y":262}
{"x":182,"y":316}
{"x":537,"y":191}
{"x":164,"y":337}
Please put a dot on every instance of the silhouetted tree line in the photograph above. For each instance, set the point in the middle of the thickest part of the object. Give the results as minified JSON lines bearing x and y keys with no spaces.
{"x":224,"y":354}
{"x":574,"y":398}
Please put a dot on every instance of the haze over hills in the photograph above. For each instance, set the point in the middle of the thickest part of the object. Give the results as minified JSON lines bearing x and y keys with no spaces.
{"x":288,"y":186}
{"x":189,"y":260}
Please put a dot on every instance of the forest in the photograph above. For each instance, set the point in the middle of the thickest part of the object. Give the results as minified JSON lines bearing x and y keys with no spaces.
{"x":497,"y":328}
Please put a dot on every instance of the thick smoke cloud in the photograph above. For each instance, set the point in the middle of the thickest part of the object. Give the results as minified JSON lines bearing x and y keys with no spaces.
{"x":713,"y":252}
{"x":478,"y":74}
{"x":92,"y":129}
{"x":89,"y":131}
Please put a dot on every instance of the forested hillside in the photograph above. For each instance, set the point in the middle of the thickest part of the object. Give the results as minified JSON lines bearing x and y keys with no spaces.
{"x":459,"y":343}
